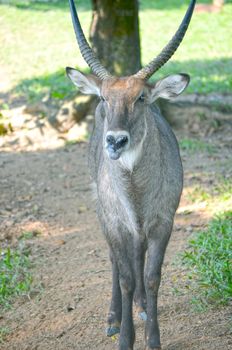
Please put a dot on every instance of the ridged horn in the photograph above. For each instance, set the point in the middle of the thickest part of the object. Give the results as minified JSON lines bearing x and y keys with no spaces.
{"x":167,"y":52}
{"x":85,"y":49}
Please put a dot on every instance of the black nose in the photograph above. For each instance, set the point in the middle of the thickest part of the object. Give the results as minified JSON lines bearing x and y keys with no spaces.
{"x":116,"y":142}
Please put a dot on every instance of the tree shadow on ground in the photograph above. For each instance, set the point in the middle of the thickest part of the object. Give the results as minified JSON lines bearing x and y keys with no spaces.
{"x":55,"y":87}
{"x":207,"y":76}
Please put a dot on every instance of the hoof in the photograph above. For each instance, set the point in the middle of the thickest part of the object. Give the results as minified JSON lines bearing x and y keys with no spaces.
{"x":110,"y":331}
{"x":143,"y":315}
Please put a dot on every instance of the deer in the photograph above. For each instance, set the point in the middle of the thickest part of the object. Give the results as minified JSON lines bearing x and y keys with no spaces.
{"x":136,"y":168}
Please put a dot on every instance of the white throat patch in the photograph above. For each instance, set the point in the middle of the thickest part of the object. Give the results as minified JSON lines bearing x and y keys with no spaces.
{"x":130,"y":157}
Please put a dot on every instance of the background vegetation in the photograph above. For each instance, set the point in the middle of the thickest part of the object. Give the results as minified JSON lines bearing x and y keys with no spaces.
{"x":15,"y":277}
{"x":209,"y":257}
{"x":37,"y":42}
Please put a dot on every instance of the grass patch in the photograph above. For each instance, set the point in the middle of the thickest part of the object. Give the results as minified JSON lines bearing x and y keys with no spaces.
{"x":15,"y":276}
{"x":39,"y":43}
{"x":209,"y":256}
{"x":29,"y":234}
{"x":194,"y":146}
{"x":198,"y":194}
{"x":221,"y":190}
{"x":54,"y":86}
{"x":4,"y":331}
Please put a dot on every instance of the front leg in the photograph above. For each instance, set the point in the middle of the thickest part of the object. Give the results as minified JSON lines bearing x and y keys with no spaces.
{"x":140,"y":293}
{"x":155,"y":254}
{"x":127,"y":286}
{"x":115,"y":312}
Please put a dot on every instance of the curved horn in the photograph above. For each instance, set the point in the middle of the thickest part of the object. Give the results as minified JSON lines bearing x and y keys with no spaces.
{"x":85,"y":49}
{"x":167,"y":52}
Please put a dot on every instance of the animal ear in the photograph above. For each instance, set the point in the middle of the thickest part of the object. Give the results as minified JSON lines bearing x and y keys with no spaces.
{"x":169,"y":87}
{"x":87,"y":84}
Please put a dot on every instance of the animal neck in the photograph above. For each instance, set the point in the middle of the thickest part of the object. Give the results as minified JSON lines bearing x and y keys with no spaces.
{"x":131,"y":158}
{"x":138,"y":161}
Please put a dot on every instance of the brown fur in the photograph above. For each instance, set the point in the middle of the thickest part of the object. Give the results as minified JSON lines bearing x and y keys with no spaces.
{"x":128,"y":88}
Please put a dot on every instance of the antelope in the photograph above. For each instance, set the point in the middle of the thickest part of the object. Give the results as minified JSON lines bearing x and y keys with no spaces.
{"x":135,"y":165}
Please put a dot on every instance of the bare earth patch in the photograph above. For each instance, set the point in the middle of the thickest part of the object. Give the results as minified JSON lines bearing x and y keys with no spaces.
{"x":45,"y":188}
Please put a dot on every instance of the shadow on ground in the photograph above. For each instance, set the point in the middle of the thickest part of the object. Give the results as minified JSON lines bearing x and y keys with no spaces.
{"x":206,"y":75}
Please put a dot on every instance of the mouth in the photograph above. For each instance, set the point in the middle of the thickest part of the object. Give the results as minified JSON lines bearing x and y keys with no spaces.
{"x":114,"y":154}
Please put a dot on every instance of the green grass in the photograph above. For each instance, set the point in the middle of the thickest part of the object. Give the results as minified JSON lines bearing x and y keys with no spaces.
{"x":221,"y":190}
{"x":55,"y":86}
{"x":203,"y":54}
{"x":198,"y":194}
{"x":15,"y":276}
{"x":209,"y":258}
{"x":29,"y":234}
{"x":38,"y":42}
{"x":4,"y":331}
{"x":194,"y":146}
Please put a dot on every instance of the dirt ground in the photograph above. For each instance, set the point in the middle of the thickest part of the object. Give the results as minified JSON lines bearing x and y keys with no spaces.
{"x":45,"y":188}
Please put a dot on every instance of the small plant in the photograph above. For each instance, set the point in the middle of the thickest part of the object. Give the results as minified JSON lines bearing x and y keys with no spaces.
{"x":192,"y":146}
{"x":15,"y":277}
{"x":29,"y":234}
{"x":3,"y":333}
{"x":209,"y":256}
{"x":223,"y":188}
{"x":198,"y":194}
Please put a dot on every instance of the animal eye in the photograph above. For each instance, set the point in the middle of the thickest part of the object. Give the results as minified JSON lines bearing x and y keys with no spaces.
{"x":141,"y":98}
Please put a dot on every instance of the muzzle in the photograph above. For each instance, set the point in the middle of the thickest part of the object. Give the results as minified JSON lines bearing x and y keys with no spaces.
{"x":116,"y":143}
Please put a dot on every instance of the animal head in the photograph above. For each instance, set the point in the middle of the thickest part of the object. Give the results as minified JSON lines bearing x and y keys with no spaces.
{"x":124,"y":100}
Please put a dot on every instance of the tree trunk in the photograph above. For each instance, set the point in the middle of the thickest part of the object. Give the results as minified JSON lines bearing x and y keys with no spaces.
{"x":114,"y":35}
